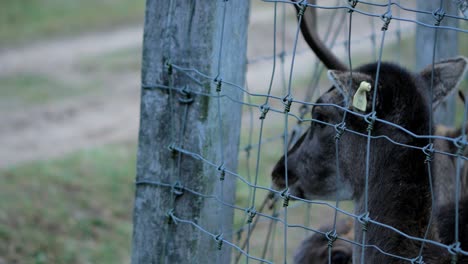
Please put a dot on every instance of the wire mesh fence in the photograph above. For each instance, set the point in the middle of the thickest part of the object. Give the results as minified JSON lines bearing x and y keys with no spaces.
{"x":276,"y":112}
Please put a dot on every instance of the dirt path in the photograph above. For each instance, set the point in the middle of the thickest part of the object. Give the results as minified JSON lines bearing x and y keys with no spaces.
{"x":47,"y":56}
{"x":43,"y":132}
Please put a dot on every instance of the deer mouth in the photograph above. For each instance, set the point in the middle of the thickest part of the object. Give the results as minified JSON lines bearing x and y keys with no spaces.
{"x":279,"y":177}
{"x":294,"y":189}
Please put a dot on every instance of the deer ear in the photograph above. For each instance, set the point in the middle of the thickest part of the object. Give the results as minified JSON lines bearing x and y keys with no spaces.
{"x":342,"y":81}
{"x":447,"y":76}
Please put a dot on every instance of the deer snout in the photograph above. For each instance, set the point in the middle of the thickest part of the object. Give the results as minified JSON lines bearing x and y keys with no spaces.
{"x":278,"y":175}
{"x":342,"y":255}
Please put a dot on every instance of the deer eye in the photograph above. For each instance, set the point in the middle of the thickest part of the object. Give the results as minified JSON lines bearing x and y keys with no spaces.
{"x":319,"y":120}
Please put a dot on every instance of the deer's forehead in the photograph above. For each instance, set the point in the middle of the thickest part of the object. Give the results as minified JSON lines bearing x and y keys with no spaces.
{"x":332,"y":96}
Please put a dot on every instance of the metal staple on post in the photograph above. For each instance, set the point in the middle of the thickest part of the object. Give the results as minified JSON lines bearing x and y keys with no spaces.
{"x":219,"y":240}
{"x":185,"y":96}
{"x":219,"y":83}
{"x":170,"y":216}
{"x":222,"y":172}
{"x":177,"y":189}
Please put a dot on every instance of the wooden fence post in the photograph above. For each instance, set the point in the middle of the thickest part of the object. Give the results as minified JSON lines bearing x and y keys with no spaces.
{"x":188,"y":34}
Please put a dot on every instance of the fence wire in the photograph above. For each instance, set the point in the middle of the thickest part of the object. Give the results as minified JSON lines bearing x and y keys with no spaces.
{"x":272,"y":208}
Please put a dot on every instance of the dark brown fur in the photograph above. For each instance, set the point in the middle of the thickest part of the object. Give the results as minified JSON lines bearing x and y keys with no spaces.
{"x":314,"y":250}
{"x":398,"y":182}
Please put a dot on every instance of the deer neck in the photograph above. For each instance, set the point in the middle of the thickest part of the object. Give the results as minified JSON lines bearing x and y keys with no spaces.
{"x":398,"y":196}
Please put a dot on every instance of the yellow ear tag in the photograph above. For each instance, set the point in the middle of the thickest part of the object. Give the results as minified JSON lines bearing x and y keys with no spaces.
{"x":360,"y":97}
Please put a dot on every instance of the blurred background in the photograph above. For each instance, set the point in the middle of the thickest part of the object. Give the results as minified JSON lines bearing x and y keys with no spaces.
{"x":69,"y":113}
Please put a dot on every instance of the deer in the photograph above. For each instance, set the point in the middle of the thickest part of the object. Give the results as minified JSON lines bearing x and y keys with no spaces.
{"x":398,"y":190}
{"x":314,"y":249}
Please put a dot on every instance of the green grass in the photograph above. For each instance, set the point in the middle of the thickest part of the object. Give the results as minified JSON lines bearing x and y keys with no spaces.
{"x":77,"y":209}
{"x":28,"y":89}
{"x":72,"y":210}
{"x":22,"y":21}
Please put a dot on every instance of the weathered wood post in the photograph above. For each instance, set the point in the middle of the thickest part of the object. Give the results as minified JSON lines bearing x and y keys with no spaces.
{"x":446,"y":47}
{"x":210,"y":37}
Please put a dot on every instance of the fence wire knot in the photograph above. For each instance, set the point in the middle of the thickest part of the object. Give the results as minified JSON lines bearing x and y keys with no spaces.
{"x":429,"y":151}
{"x":252,"y":213}
{"x":370,"y":120}
{"x":287,"y":101}
{"x":303,"y":6}
{"x":219,"y":83}
{"x":340,"y":129}
{"x":331,"y":237}
{"x":219,"y":240}
{"x":222,"y":172}
{"x":417,"y":260}
{"x":387,"y":17}
{"x":460,"y":143}
{"x":286,"y":196}
{"x":177,"y":189}
{"x":170,"y":216}
{"x":364,"y":220}
{"x":454,"y":249}
{"x":352,"y":4}
{"x":264,"y":109}
{"x":438,"y":14}
{"x":186,"y":96}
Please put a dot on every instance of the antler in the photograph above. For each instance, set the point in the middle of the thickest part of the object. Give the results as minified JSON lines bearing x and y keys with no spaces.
{"x":309,"y":32}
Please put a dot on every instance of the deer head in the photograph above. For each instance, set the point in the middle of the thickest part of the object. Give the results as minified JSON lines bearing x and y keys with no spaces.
{"x":401,"y":98}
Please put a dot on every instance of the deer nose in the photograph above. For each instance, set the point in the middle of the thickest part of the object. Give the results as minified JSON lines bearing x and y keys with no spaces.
{"x":340,"y":257}
{"x":278,"y":175}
